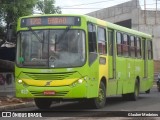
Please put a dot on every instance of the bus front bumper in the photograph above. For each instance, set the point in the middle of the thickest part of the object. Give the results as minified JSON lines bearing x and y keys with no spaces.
{"x":75,"y":90}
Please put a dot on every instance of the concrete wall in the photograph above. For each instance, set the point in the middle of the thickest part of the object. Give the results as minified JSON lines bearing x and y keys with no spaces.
{"x":116,"y":13}
{"x":144,"y":21}
{"x":149,"y":23}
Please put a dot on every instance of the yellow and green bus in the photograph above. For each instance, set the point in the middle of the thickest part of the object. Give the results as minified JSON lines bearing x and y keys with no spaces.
{"x":78,"y":57}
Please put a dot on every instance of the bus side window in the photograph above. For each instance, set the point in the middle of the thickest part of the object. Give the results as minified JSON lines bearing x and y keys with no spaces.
{"x":92,"y":43}
{"x":110,"y":42}
{"x":150,"y":51}
{"x":125,"y":45}
{"x":138,"y":47}
{"x":119,"y":43}
{"x":132,"y":46}
{"x":92,"y":38}
{"x":102,"y":40}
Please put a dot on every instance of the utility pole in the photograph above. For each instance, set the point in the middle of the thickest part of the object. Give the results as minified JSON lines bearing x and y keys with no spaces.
{"x":156,"y":13}
{"x":144,"y":11}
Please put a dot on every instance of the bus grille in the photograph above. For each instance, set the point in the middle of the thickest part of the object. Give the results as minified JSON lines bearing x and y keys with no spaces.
{"x":58,"y":94}
{"x":49,"y":76}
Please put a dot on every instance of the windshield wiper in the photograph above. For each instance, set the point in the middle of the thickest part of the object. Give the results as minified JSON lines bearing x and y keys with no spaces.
{"x":40,"y":40}
{"x":63,"y":34}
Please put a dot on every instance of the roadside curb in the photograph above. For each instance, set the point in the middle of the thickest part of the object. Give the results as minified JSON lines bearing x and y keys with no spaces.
{"x":17,"y":106}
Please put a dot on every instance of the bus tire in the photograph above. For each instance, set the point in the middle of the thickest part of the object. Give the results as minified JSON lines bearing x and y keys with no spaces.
{"x":43,"y":103}
{"x":159,"y":89}
{"x":126,"y":96}
{"x":148,"y":91}
{"x":134,"y":96}
{"x":100,"y":101}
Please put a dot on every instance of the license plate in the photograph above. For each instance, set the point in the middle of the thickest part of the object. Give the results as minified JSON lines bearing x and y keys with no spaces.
{"x":49,"y":92}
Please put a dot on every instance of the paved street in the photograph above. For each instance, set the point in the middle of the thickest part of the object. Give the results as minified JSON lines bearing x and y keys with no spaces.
{"x":146,"y":102}
{"x":115,"y":106}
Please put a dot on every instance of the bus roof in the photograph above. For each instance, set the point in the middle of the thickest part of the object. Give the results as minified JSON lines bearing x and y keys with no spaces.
{"x":117,"y":27}
{"x":101,"y":23}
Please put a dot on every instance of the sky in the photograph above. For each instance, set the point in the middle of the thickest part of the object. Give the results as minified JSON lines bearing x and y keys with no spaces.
{"x":87,"y":6}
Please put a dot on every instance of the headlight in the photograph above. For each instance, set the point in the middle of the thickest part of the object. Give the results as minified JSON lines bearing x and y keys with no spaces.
{"x":20,"y":81}
{"x":80,"y":81}
{"x":23,"y":83}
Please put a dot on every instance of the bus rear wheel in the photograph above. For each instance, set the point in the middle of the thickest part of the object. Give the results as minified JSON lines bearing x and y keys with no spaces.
{"x":43,"y":103}
{"x":100,"y":101}
{"x":148,"y":91}
{"x":134,"y":96}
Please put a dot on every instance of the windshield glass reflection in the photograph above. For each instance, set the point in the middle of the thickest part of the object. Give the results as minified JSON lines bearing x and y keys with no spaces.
{"x":51,"y":48}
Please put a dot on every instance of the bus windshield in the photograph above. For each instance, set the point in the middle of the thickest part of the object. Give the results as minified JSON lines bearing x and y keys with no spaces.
{"x":51,"y":48}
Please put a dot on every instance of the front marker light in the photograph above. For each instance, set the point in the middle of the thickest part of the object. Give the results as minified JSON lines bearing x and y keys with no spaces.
{"x":80,"y":81}
{"x":20,"y":81}
{"x":77,"y":82}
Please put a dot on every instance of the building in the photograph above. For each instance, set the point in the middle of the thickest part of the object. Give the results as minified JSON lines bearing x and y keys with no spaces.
{"x":130,"y":14}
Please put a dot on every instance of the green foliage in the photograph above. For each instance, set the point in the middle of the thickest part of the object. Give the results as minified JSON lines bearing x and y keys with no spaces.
{"x":48,"y":7}
{"x":11,"y":10}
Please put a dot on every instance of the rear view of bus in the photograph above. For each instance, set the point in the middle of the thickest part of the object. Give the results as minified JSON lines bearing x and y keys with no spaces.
{"x":51,"y":61}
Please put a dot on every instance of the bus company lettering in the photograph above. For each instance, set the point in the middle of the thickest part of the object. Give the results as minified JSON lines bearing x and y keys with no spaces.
{"x":134,"y":114}
{"x":143,"y":114}
{"x":57,"y":20}
{"x":22,"y":115}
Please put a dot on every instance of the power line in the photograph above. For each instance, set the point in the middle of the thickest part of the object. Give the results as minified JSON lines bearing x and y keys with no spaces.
{"x":89,"y":3}
{"x":96,"y":3}
{"x":81,"y":8}
{"x":101,"y":8}
{"x":74,"y":6}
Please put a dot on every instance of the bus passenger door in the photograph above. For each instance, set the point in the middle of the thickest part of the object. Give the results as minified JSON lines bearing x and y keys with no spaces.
{"x":112,"y":82}
{"x":93,"y":86}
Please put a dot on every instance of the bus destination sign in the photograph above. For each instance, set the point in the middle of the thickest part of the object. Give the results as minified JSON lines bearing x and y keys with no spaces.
{"x":50,"y":20}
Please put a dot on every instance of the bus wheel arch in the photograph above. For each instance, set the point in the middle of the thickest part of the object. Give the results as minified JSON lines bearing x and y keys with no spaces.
{"x":100,"y":101}
{"x":104,"y":80}
{"x":135,"y":94}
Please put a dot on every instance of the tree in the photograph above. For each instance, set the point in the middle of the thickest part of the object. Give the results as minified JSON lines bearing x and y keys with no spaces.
{"x":11,"y":10}
{"x":47,"y":7}
{"x":14,"y":9}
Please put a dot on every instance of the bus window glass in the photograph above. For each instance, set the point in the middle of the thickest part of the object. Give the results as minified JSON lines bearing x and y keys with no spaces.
{"x":138,"y":41}
{"x":34,"y":47}
{"x":132,"y":46}
{"x":150,"y":54}
{"x":101,"y":40}
{"x":92,"y":38}
{"x":56,"y":48}
{"x":110,"y":42}
{"x":119,"y":43}
{"x":125,"y":45}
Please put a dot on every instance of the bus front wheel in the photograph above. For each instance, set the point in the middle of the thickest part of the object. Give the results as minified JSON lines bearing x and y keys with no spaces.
{"x":100,"y":101}
{"x":43,"y":103}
